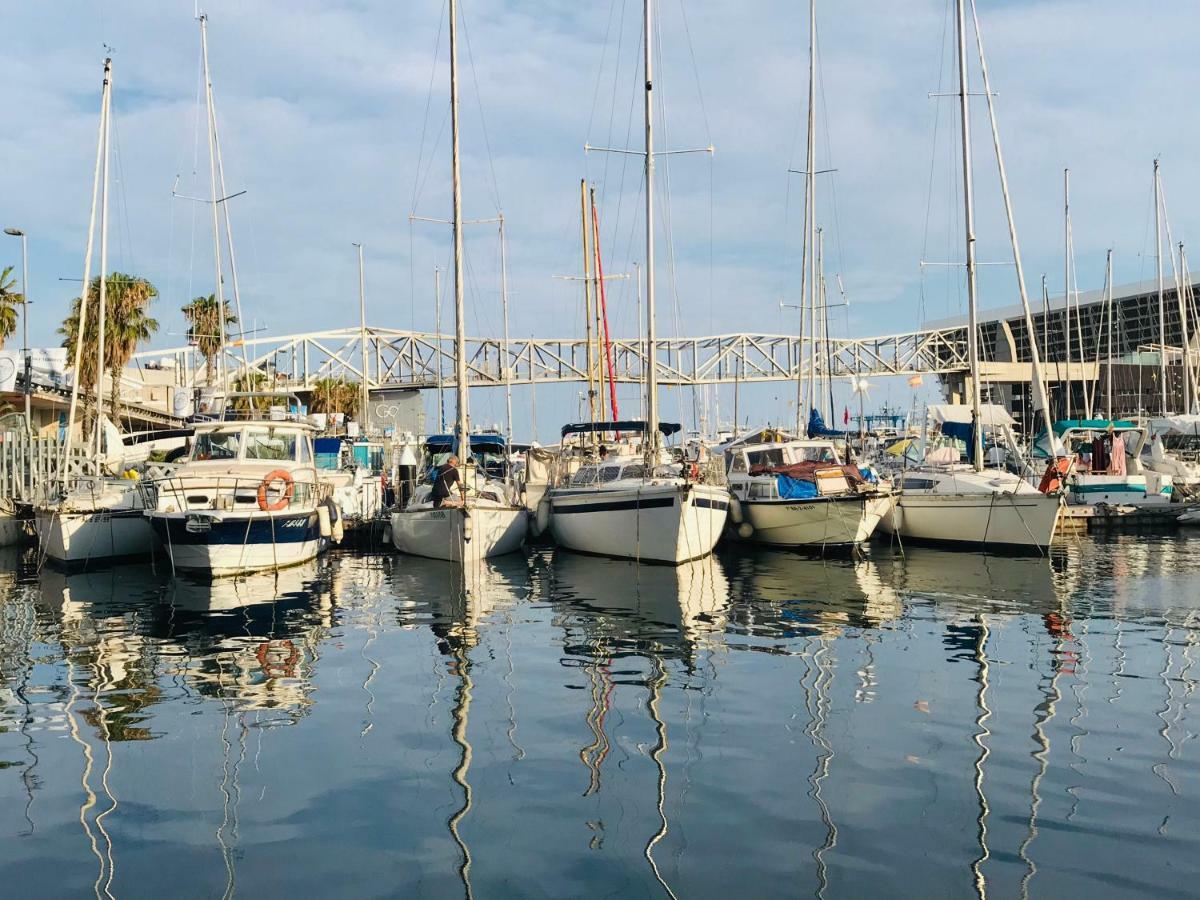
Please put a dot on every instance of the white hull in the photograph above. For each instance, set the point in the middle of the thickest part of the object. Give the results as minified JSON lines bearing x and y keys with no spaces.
{"x":651,"y":522}
{"x":231,"y":544}
{"x":841,"y":521}
{"x":84,"y":536}
{"x":445,"y":533}
{"x":1020,"y":521}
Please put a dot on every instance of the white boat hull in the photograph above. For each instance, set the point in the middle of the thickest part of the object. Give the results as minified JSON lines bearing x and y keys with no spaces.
{"x":230,"y":544}
{"x":92,"y":535}
{"x":451,"y":534}
{"x":667,"y":523}
{"x":833,"y":522}
{"x":1001,"y":520}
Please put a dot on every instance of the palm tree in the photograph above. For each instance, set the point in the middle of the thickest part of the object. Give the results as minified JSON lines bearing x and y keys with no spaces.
{"x":206,"y":330}
{"x":126,"y":325}
{"x":9,"y":301}
{"x":331,"y":395}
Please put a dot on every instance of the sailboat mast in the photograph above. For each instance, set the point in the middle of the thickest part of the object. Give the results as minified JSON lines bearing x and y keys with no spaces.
{"x":87,"y":270}
{"x":437,"y":297}
{"x":1067,"y":276}
{"x":102,"y":310}
{"x":1183,"y":333}
{"x":365,"y":397}
{"x":1162,"y":313}
{"x":462,"y":433}
{"x":218,"y":288}
{"x":808,"y":250}
{"x":969,"y":225}
{"x":1108,"y":378}
{"x":504,"y":354}
{"x":651,"y":437}
{"x":585,"y":234}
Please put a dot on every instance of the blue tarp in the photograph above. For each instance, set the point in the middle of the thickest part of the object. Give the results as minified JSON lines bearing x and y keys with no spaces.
{"x":794,"y":488}
{"x":816,"y":426}
{"x":962,"y":431}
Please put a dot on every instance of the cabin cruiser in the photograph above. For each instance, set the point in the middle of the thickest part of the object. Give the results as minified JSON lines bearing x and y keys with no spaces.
{"x":945,"y":500}
{"x":1107,"y":463}
{"x":638,"y":503}
{"x":491,"y":521}
{"x":247,"y":497}
{"x":1174,"y":450}
{"x":789,"y":492}
{"x":97,"y":515}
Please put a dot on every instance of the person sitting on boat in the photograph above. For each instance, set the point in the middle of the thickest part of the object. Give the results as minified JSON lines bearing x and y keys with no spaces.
{"x":443,"y":483}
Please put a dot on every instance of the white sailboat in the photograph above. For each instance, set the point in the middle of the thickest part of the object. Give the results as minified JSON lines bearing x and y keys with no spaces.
{"x":94,"y":517}
{"x":490,"y":521}
{"x":968,"y":505}
{"x":639,"y":505}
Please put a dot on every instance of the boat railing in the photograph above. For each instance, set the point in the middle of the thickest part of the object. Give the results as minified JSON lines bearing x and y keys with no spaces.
{"x":199,"y":492}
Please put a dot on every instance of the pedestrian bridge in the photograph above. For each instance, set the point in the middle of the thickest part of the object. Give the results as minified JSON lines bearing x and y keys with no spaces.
{"x":419,"y":360}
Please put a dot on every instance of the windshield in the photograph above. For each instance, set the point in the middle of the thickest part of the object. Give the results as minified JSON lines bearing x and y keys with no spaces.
{"x":216,"y":445}
{"x":271,"y":443}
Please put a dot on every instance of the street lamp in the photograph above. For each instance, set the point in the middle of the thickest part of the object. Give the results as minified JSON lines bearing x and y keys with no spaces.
{"x":17,"y":232}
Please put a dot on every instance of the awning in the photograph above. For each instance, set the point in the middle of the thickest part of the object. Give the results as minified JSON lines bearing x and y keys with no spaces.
{"x":991,"y":415}
{"x":667,"y":428}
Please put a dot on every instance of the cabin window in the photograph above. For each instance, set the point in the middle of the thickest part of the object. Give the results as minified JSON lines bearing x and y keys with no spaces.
{"x":610,"y":473}
{"x":917,"y":484}
{"x":823,"y":454}
{"x":738,"y":464}
{"x":305,"y":456}
{"x":635,"y":471}
{"x":216,"y":445}
{"x":586,"y":475}
{"x":271,"y":443}
{"x":767,"y":490}
{"x":773,"y":457}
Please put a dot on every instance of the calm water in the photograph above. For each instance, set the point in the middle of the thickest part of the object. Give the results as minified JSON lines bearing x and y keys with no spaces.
{"x":936,"y":725}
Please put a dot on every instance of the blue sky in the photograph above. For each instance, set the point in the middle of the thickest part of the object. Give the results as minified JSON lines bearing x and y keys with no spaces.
{"x":324,"y":122}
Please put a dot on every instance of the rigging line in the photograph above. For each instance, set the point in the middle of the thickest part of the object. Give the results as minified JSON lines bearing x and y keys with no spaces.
{"x":487,"y":143}
{"x":428,"y":101}
{"x":600,"y":68}
{"x":612,"y":109}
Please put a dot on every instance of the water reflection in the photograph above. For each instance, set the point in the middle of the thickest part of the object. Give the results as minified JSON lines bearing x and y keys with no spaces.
{"x":581,"y":725}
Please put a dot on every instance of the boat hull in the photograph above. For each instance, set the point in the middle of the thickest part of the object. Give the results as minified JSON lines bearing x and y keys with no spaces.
{"x":447,"y":534}
{"x":1020,"y":522}
{"x":670,"y":523}
{"x":823,"y":523}
{"x":82,"y":536}
{"x":231,"y":544}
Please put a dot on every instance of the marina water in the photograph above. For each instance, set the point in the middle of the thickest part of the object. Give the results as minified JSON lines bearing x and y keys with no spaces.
{"x":757,"y":724}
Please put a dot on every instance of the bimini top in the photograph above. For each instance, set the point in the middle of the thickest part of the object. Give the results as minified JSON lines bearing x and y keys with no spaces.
{"x":1064,"y":425}
{"x":991,"y":415}
{"x":667,"y":428}
{"x":1184,"y":423}
{"x":485,"y":443}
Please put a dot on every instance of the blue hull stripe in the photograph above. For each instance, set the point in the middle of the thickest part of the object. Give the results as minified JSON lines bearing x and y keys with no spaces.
{"x":286,"y":529}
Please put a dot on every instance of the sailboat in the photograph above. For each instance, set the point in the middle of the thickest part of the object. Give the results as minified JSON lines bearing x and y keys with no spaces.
{"x":966,"y":505}
{"x":638,"y":504}
{"x":94,"y":516}
{"x":491,"y":521}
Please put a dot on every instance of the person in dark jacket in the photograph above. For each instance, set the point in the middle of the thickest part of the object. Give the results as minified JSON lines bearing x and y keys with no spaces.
{"x":444,"y":484}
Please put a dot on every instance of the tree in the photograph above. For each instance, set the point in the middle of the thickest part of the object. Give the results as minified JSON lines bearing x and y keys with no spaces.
{"x":9,"y":301}
{"x":207,"y":331}
{"x":331,"y":395}
{"x":126,"y":324}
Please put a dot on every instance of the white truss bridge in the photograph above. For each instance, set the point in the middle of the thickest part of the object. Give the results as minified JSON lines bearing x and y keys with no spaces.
{"x":397,"y":359}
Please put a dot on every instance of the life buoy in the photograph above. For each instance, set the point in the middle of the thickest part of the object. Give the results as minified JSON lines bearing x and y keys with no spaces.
{"x":694,"y":471}
{"x":285,"y":497}
{"x":272,"y":669}
{"x":1056,"y":471}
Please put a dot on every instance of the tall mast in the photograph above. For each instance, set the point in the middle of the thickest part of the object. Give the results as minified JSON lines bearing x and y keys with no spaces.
{"x":1162,"y":313}
{"x":462,"y":432}
{"x":365,"y":398}
{"x":1067,"y":276}
{"x":437,"y":296}
{"x":598,"y":314}
{"x":585,"y":234}
{"x":103,"y":312}
{"x":504,"y":361}
{"x":969,"y":224}
{"x":651,"y":436}
{"x":215,"y":138}
{"x":215,"y":197}
{"x":1108,"y":379}
{"x":1183,"y":332}
{"x":808,"y":292}
{"x":101,"y":144}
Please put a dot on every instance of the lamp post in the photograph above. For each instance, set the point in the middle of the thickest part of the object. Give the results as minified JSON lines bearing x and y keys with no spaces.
{"x":17,"y":232}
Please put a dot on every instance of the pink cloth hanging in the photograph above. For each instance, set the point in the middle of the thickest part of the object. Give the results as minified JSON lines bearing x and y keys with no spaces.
{"x":1116,"y":461}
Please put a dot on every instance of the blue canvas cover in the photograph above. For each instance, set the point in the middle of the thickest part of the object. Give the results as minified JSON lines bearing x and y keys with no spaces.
{"x":794,"y":488}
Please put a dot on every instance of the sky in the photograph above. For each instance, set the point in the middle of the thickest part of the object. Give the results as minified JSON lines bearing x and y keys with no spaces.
{"x":333,"y":119}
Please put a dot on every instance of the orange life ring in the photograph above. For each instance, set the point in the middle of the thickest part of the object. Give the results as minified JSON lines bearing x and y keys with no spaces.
{"x":285,"y":498}
{"x":272,"y":669}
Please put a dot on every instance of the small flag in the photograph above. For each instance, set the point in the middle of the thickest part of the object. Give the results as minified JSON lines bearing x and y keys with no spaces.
{"x":846,"y":416}
{"x":914,"y":381}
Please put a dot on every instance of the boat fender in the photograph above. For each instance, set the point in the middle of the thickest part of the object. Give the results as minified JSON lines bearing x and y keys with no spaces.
{"x":745,"y":530}
{"x":735,"y":510}
{"x":339,"y":525}
{"x":323,"y":521}
{"x":468,"y":526}
{"x":543,"y":515}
